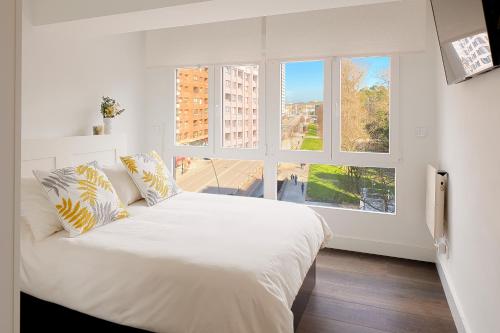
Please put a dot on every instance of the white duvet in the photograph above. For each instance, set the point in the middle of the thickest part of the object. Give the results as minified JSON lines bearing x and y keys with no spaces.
{"x":194,"y":263}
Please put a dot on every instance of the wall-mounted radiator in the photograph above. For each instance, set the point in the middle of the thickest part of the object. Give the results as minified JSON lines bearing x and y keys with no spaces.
{"x":436,"y":191}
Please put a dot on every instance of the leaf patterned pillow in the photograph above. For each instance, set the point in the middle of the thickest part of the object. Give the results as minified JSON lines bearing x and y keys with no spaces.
{"x":83,"y":197}
{"x":151,"y":176}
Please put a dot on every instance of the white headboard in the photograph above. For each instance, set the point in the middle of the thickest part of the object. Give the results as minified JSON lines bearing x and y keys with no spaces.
{"x":48,"y":154}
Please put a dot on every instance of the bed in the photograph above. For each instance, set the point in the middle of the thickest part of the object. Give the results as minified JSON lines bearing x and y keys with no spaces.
{"x":193,"y":263}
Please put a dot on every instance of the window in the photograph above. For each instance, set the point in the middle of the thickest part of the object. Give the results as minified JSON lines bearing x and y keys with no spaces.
{"x":192,"y":92}
{"x":220,"y":176}
{"x":365,"y":99}
{"x":243,"y":95}
{"x":369,"y":189}
{"x":330,"y":136}
{"x":302,"y":94}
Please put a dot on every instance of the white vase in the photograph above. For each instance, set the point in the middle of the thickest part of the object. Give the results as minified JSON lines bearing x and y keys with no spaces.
{"x":108,"y":125}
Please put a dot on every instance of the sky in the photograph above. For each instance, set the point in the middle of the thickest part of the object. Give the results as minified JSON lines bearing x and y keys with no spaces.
{"x":304,"y":81}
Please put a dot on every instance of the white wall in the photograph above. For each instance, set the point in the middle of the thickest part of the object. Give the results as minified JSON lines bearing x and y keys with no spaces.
{"x":95,"y":17}
{"x":65,"y":77}
{"x":236,"y":41}
{"x":404,"y":234}
{"x":7,"y":167}
{"x":468,"y":138}
{"x":372,"y":29}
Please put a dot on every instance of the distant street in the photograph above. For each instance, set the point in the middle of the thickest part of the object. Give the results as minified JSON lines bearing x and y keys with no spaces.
{"x":235,"y":177}
{"x":292,"y":191}
{"x":292,"y":136}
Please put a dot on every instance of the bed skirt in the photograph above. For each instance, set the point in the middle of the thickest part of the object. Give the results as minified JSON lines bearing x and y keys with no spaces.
{"x":42,"y":316}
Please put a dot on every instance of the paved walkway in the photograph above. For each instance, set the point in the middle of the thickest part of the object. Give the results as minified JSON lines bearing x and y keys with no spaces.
{"x":293,"y":193}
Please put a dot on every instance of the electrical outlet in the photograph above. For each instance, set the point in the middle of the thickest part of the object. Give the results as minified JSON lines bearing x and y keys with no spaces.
{"x":421,"y":132}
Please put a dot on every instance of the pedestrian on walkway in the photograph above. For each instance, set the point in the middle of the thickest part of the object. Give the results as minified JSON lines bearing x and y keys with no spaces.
{"x":296,"y":178}
{"x":302,"y":186}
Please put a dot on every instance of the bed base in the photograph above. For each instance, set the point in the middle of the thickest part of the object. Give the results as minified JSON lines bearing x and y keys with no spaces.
{"x":302,"y":298}
{"x":42,"y":316}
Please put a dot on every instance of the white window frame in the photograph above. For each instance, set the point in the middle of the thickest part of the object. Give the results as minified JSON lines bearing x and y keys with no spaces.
{"x":367,"y":159}
{"x":170,"y":131}
{"x":269,"y":145}
{"x":275,"y":115}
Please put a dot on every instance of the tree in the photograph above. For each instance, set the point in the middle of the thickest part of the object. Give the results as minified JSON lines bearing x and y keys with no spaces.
{"x":380,"y":181}
{"x":352,"y":116}
{"x":376,"y":103}
{"x":365,"y":127}
{"x":364,"y":110}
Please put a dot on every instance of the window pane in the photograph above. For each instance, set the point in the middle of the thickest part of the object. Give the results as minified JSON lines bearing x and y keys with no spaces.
{"x":302,"y":86}
{"x":233,"y":177}
{"x":240,"y":109}
{"x":192,"y":106}
{"x":365,"y":84}
{"x":370,"y":189}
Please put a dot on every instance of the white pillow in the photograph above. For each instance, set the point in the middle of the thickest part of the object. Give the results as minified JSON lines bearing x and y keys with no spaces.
{"x":83,"y":197}
{"x":125,"y":187}
{"x":37,"y":211}
{"x":151,"y":176}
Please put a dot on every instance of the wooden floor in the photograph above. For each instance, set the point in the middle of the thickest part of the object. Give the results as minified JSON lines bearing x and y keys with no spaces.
{"x":362,"y":293}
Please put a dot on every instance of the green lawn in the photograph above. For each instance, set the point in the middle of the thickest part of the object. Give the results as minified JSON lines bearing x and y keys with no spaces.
{"x":328,"y":183}
{"x":312,"y":144}
{"x":312,"y":130}
{"x":311,"y":139}
{"x":332,"y":184}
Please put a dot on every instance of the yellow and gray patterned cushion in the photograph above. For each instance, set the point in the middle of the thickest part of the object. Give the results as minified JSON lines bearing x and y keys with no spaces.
{"x":83,"y":197}
{"x":151,"y":176}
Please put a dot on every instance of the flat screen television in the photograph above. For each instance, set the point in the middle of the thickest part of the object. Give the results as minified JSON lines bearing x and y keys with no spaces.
{"x":469,"y":36}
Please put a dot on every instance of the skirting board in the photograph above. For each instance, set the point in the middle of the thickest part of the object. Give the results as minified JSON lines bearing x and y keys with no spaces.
{"x":452,"y":299}
{"x":382,"y":248}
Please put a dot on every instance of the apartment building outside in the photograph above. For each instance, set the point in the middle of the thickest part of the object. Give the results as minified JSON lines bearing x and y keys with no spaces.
{"x":474,"y":53}
{"x":240,"y":106}
{"x":192,"y":106}
{"x":295,"y":117}
{"x":283,"y":89}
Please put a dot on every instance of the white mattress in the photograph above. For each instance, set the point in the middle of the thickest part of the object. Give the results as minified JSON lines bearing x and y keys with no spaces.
{"x":194,"y":263}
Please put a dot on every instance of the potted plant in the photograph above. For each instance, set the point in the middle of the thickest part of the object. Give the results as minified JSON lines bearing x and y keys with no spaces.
{"x":110,"y":108}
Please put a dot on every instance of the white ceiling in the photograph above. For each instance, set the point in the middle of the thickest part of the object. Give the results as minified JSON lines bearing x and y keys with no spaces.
{"x":121,"y":16}
{"x":54,"y":11}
